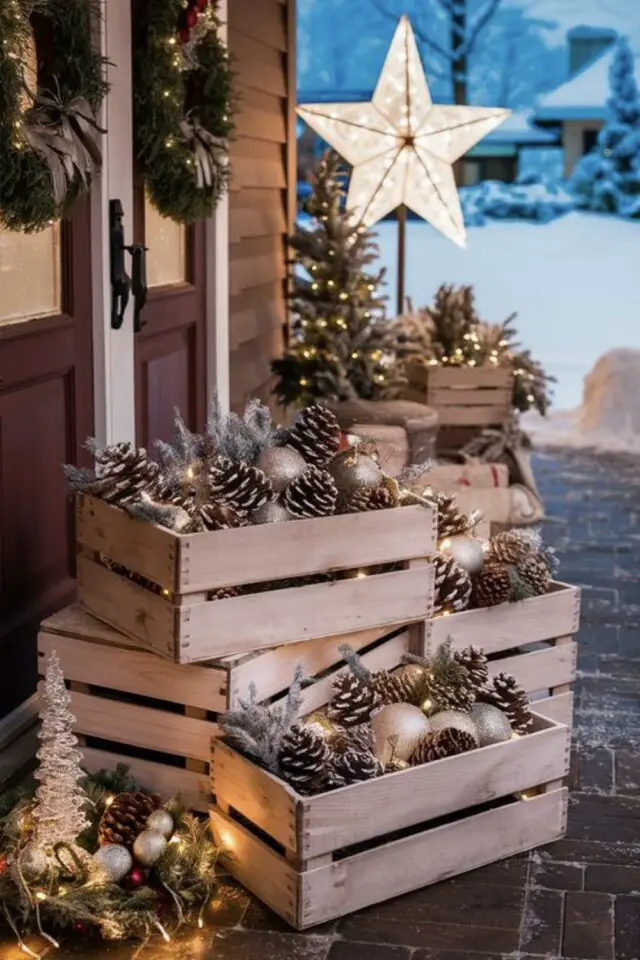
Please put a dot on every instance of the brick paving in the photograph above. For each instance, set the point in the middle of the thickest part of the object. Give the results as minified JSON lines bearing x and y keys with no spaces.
{"x":577,"y":899}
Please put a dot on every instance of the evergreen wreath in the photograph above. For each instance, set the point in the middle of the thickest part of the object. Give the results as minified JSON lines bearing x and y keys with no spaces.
{"x":182,"y":102}
{"x":48,"y":148}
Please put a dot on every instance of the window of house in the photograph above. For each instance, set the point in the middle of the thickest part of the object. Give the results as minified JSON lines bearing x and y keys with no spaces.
{"x":589,"y":140}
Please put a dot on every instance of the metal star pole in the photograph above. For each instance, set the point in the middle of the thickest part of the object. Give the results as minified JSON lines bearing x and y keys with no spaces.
{"x":402,"y":147}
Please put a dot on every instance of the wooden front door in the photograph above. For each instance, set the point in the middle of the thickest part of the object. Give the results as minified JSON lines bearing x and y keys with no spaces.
{"x":46,"y":413}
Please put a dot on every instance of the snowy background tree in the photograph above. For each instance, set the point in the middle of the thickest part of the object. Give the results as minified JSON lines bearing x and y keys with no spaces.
{"x":607,"y":180}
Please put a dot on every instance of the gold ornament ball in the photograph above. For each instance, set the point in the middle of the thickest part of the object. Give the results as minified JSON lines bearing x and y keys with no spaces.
{"x":492,"y":725}
{"x":397,"y":728}
{"x":270,"y":512}
{"x":281,"y":465}
{"x":162,"y":821}
{"x":149,"y":847}
{"x":453,"y":719}
{"x":33,"y":861}
{"x":114,"y":860}
{"x":321,"y":724}
{"x":356,"y":472}
{"x":467,"y":552}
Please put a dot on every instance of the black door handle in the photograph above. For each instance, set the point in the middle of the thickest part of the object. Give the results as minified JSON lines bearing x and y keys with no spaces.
{"x":120,"y":281}
{"x":138,"y":283}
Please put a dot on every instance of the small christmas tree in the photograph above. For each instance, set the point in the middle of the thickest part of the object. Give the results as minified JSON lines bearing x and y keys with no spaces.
{"x":607,"y":180}
{"x":60,"y":800}
{"x":341,"y":345}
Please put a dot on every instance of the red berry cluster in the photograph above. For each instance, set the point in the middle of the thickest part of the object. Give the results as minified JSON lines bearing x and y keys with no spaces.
{"x":189,"y":18}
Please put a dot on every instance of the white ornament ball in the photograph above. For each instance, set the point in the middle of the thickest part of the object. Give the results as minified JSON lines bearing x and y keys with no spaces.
{"x":162,"y":821}
{"x":397,"y":728}
{"x":453,"y":719}
{"x":492,"y":725}
{"x":33,"y":861}
{"x":149,"y":847}
{"x":115,"y":861}
{"x":270,"y":512}
{"x":467,"y":552}
{"x":281,"y":465}
{"x":356,"y":472}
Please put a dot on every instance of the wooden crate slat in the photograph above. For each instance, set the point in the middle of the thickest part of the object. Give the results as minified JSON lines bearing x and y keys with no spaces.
{"x":194,"y":789}
{"x":145,"y":726}
{"x":558,"y":707}
{"x":267,"y":619}
{"x":556,"y":614}
{"x":260,"y":798}
{"x":430,"y":857}
{"x":302,"y":547}
{"x":446,"y":397}
{"x":137,"y":671}
{"x":440,"y":377}
{"x":541,"y":668}
{"x":484,"y":416}
{"x":20,"y":719}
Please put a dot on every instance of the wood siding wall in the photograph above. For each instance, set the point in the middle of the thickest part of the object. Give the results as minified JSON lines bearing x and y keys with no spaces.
{"x":262,"y":44}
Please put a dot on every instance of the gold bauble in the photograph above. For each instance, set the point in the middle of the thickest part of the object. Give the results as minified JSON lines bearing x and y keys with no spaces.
{"x":355,"y":472}
{"x":281,"y":465}
{"x":467,"y":552}
{"x":162,"y":821}
{"x":397,"y":728}
{"x":453,"y":719}
{"x":492,"y":725}
{"x":149,"y":847}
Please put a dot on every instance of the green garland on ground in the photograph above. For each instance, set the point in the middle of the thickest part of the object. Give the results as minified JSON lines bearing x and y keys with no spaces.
{"x":47,"y":136}
{"x":182,"y":102}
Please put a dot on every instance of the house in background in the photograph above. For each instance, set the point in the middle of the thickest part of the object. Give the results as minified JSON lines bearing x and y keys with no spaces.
{"x":577,"y":108}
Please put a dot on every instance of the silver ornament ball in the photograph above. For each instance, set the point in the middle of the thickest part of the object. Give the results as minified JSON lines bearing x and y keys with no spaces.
{"x":355,"y":472}
{"x":466,"y":551}
{"x":492,"y":725}
{"x":281,"y":465}
{"x":453,"y":719}
{"x":114,"y":860}
{"x":149,"y":847}
{"x":162,"y":821}
{"x":270,"y":512}
{"x":33,"y":861}
{"x":397,"y":728}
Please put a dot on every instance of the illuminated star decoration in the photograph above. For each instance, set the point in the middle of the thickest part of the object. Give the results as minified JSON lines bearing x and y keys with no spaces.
{"x":401,"y":145}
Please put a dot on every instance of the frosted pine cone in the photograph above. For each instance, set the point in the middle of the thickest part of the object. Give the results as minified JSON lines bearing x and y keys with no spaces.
{"x":475,"y":663}
{"x":444,"y":743}
{"x":451,"y":521}
{"x":491,"y":586}
{"x":314,"y":494}
{"x":512,"y":546}
{"x":505,"y":693}
{"x":398,"y":686}
{"x":234,"y":484}
{"x":352,"y":700}
{"x":380,"y":498}
{"x":303,"y":757}
{"x":352,"y":766}
{"x":452,"y":585}
{"x":126,"y":473}
{"x":535,"y":574}
{"x":315,"y":435}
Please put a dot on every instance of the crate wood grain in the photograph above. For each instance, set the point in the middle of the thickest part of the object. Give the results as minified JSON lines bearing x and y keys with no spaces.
{"x":182,"y":624}
{"x":313,"y":875}
{"x":18,"y":741}
{"x":159,"y":716}
{"x":463,"y":396}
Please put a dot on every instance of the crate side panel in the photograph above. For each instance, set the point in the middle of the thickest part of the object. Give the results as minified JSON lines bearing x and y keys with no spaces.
{"x":469,"y":377}
{"x":137,"y":672}
{"x":254,"y":554}
{"x":362,"y":811}
{"x":447,"y":397}
{"x":194,"y":789}
{"x":541,"y":668}
{"x":241,"y":624}
{"x":460,"y":416}
{"x":558,"y":707}
{"x":140,"y":546}
{"x":432,"y":856}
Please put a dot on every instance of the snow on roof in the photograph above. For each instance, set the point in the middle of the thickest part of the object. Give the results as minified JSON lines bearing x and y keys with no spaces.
{"x":584,"y":96}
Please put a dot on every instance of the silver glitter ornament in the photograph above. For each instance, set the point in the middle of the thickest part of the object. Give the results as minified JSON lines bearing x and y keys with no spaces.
{"x":492,"y":725}
{"x":149,"y":847}
{"x":397,"y":728}
{"x":114,"y":860}
{"x":356,"y":472}
{"x":453,"y":719}
{"x":270,"y":512}
{"x":162,"y":821}
{"x":466,"y":551}
{"x":281,"y":465}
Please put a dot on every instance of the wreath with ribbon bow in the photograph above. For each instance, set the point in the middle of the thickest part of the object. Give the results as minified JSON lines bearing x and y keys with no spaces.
{"x":182,"y":90}
{"x":49,"y":134}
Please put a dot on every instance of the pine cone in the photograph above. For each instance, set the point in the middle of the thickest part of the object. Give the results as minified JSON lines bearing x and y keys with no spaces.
{"x":315,"y":435}
{"x":234,"y":484}
{"x":127,"y":472}
{"x":445,"y":695}
{"x":303,"y":757}
{"x":379,"y":498}
{"x":452,"y":585}
{"x":475,"y":663}
{"x":512,"y":546}
{"x":126,"y":817}
{"x":451,"y":521}
{"x":504,"y":693}
{"x":313,"y":494}
{"x":352,"y":766}
{"x":402,"y":685}
{"x":535,"y":573}
{"x":445,"y":743}
{"x":352,"y":700}
{"x":359,"y":738}
{"x":205,"y":516}
{"x":491,"y":586}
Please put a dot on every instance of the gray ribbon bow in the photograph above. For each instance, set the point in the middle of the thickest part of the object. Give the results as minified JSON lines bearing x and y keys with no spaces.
{"x":209,"y":152}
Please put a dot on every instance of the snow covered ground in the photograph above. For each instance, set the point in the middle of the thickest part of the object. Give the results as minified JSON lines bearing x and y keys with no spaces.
{"x":574,"y":283}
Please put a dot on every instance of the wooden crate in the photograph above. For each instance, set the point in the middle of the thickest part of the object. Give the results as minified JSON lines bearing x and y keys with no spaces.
{"x":463,"y":396}
{"x":533,"y":640}
{"x":159,"y":717}
{"x":18,"y":742}
{"x":182,"y":624}
{"x":312,"y":859}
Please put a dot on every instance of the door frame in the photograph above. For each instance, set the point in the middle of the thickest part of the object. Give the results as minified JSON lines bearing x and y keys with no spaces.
{"x":113,"y":353}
